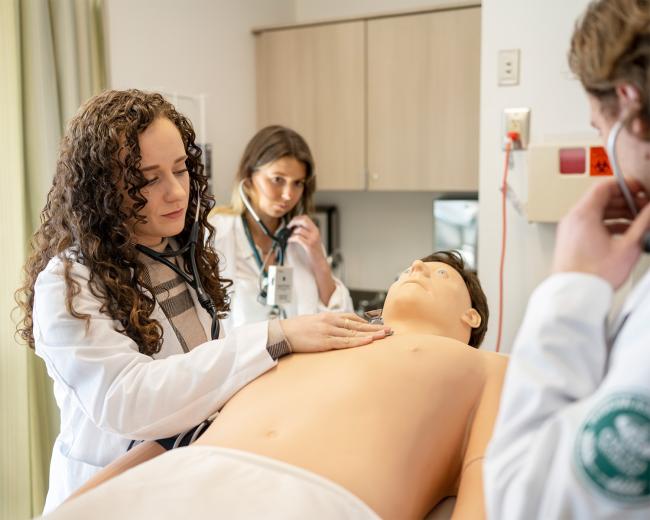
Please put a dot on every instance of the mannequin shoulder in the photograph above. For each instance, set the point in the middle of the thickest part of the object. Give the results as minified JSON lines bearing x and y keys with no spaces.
{"x":495,"y":364}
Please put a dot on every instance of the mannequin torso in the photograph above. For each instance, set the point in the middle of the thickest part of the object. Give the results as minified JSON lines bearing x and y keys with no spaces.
{"x":392,"y":422}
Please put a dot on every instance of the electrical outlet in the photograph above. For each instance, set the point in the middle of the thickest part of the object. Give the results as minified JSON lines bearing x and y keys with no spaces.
{"x":516,"y":120}
{"x":508,"y":67}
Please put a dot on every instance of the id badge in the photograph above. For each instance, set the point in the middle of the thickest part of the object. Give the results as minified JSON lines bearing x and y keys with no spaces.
{"x":280,"y":287}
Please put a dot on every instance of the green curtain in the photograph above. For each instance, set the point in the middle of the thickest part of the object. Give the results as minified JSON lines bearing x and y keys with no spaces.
{"x":55,"y":59}
{"x":15,"y":484}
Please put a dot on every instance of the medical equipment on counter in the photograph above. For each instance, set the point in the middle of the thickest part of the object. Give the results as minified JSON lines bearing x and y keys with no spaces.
{"x":194,"y":280}
{"x":276,"y":283}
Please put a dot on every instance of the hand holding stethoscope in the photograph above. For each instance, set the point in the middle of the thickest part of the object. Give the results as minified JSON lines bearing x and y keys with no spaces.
{"x":306,"y":233}
{"x":593,"y":238}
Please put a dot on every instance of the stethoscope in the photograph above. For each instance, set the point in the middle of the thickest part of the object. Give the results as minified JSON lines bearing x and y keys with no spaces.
{"x":613,"y":160}
{"x":279,"y":248}
{"x":194,"y":280}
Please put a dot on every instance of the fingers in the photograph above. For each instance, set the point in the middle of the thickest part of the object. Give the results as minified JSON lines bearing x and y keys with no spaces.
{"x":638,"y":228}
{"x":351,"y":316}
{"x":606,"y":195}
{"x":354,"y":322}
{"x":619,"y":203}
{"x":617,"y":227}
{"x":302,"y":221}
{"x":337,"y":343}
{"x":337,"y":332}
{"x":310,"y":234}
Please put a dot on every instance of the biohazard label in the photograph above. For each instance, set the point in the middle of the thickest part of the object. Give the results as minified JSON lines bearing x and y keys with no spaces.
{"x":598,"y":162}
{"x":613,"y":448}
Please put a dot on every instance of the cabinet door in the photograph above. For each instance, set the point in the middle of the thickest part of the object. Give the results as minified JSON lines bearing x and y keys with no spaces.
{"x":312,"y":79}
{"x":423,"y":101}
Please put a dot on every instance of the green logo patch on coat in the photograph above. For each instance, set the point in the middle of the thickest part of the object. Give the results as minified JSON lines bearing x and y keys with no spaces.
{"x":613,"y":448}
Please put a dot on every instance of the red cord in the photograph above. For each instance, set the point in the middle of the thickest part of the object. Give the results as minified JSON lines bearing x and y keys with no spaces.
{"x":512,"y":137}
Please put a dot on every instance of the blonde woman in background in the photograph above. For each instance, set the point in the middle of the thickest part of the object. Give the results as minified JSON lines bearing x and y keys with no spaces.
{"x":276,"y":178}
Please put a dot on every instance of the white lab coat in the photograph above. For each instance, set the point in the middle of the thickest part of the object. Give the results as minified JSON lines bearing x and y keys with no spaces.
{"x":238,"y":264}
{"x":109,"y":393}
{"x":566,"y":402}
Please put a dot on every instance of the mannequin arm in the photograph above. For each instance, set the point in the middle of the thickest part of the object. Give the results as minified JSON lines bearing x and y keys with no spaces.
{"x":470,"y":502}
{"x":134,"y":457}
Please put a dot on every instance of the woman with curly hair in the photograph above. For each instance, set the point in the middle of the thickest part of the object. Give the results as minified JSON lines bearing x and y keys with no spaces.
{"x":123,"y":336}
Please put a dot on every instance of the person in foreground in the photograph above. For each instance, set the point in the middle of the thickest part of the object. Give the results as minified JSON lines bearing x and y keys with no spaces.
{"x":388,"y":430}
{"x":133,"y":344}
{"x":572,"y":438}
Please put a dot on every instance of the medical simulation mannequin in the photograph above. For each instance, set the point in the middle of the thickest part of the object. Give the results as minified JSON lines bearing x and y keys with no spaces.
{"x":399,"y":425}
{"x":277,"y":170}
{"x":132,"y":353}
{"x":572,"y":438}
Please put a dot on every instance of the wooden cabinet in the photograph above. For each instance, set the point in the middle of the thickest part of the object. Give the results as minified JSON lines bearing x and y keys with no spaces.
{"x":386,"y":104}
{"x":423,"y":101}
{"x":312,"y":79}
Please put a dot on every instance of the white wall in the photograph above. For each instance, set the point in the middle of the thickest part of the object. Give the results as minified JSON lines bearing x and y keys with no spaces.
{"x":380,"y":232}
{"x":542,"y":30}
{"x":196,"y":47}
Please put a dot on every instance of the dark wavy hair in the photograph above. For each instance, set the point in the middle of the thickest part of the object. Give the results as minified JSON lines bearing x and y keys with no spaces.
{"x":85,"y":220}
{"x":476,"y":294}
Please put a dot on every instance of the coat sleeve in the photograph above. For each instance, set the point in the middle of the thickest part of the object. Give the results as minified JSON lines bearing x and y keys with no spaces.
{"x":540,"y":458}
{"x":340,"y":301}
{"x":124,"y":391}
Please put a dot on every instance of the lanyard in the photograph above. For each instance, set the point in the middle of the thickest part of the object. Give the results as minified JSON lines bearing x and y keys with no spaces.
{"x":251,"y":242}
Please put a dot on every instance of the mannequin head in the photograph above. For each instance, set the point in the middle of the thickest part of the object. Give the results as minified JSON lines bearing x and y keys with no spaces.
{"x":438,"y":295}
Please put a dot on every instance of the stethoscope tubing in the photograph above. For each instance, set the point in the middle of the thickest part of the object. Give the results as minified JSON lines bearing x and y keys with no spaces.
{"x":279,"y":240}
{"x":193,"y":281}
{"x":613,"y":159}
{"x":618,"y":175}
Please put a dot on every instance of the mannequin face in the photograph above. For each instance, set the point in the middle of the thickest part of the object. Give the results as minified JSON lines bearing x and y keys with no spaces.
{"x":276,"y":187}
{"x":633,"y":154}
{"x":163,"y":165}
{"x":431,"y":297}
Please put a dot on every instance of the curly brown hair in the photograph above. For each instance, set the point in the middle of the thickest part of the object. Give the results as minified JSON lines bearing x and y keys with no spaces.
{"x":610,"y":46}
{"x":85,"y":220}
{"x":476,"y":294}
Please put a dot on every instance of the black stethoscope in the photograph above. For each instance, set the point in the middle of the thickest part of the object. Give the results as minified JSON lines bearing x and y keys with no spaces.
{"x":193,"y":281}
{"x":280,"y":241}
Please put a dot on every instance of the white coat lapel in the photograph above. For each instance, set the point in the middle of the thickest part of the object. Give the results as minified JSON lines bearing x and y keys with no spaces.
{"x":631,"y":302}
